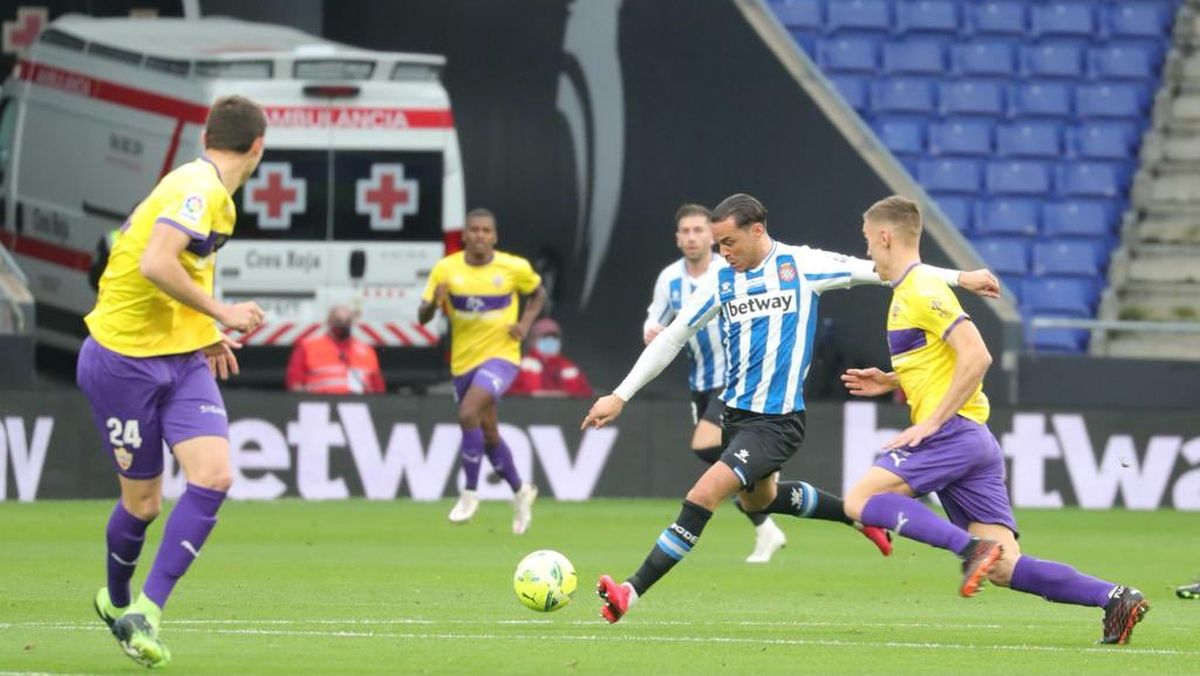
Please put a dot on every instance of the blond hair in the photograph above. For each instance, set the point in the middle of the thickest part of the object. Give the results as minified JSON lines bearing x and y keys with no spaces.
{"x":903,"y":214}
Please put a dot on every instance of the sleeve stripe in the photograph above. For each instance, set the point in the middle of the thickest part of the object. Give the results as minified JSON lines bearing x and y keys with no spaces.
{"x":826,"y":275}
{"x":953,"y":324}
{"x":180,"y":227}
{"x":701,"y":312}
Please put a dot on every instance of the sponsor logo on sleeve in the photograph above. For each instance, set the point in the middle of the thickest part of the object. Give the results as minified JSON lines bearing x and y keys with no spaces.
{"x":192,"y":208}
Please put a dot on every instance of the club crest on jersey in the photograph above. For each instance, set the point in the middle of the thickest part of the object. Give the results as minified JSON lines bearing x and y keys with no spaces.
{"x":123,"y":457}
{"x":787,"y":272}
{"x":764,"y":305}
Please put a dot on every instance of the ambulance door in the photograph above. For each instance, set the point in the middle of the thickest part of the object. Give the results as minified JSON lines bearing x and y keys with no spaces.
{"x":277,"y":256}
{"x":8,"y":127}
{"x":387,"y":236}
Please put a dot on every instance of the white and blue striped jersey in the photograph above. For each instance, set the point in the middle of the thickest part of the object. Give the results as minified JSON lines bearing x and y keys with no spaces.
{"x":706,"y":351}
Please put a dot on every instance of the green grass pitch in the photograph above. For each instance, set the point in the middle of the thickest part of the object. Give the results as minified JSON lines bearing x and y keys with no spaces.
{"x":391,"y":587}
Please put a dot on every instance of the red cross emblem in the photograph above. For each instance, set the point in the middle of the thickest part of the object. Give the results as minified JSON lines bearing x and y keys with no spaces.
{"x":274,"y":195}
{"x":386,"y":197}
{"x":20,"y":34}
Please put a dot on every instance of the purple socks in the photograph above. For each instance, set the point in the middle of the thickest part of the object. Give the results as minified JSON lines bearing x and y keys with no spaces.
{"x":125,"y":535}
{"x":502,"y":460}
{"x":1059,"y":582}
{"x":914,"y":521}
{"x":472,"y":456}
{"x":187,"y":528}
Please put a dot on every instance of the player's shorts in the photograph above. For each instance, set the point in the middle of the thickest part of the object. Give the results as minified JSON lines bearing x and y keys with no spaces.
{"x":138,"y":402}
{"x":756,"y":444}
{"x":493,"y":375}
{"x":963,"y":462}
{"x":707,"y":405}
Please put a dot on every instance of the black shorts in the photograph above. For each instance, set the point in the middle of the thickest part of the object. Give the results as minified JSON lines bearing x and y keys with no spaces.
{"x":707,"y":405}
{"x":755,"y":445}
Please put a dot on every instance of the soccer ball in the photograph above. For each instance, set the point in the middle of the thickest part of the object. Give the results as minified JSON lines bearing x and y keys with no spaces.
{"x":545,"y":581}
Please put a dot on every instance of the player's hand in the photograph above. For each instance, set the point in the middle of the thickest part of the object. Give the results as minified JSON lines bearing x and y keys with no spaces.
{"x":868,"y":382}
{"x":221,"y":361}
{"x":651,"y":333}
{"x":912,"y":436}
{"x":605,"y":410}
{"x":242,"y":316}
{"x":517,"y":331}
{"x":980,"y":282}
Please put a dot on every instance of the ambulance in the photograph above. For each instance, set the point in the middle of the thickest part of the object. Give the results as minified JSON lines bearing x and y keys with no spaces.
{"x":359,"y":193}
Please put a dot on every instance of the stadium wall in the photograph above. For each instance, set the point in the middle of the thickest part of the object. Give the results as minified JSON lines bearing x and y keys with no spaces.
{"x":407,"y":447}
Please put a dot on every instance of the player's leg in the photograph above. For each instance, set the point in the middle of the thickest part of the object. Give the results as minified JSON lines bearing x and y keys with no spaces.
{"x":495,"y":377}
{"x":805,"y":501}
{"x":470,"y":418}
{"x":122,"y":392}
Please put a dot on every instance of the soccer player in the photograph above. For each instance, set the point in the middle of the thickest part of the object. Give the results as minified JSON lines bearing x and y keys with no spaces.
{"x":149,"y":366}
{"x":705,"y":350}
{"x":939,"y":360}
{"x":767,"y":302}
{"x":478,"y":289}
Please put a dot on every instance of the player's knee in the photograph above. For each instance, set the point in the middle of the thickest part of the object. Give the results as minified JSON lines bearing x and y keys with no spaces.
{"x":703,"y":497}
{"x":143,"y":507}
{"x":755,"y":501}
{"x":854,"y":503}
{"x":469,"y":419}
{"x":215,"y":479}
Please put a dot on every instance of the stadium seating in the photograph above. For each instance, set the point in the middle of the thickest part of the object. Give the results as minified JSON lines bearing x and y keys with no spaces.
{"x":1022,"y":118}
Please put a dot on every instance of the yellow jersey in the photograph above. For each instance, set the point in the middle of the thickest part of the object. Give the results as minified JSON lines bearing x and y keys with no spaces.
{"x":922,"y":313}
{"x":134,"y":317}
{"x":483,"y":304}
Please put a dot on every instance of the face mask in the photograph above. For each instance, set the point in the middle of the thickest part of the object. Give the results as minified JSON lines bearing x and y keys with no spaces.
{"x":339,"y":332}
{"x":549,"y":345}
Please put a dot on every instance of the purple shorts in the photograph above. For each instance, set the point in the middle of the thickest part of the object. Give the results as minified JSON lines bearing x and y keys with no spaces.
{"x":138,"y":402}
{"x":493,"y":375}
{"x":963,"y":463}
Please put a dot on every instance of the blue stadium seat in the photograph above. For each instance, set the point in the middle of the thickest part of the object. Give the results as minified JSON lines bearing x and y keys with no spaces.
{"x":1123,"y":62}
{"x":1105,"y":100}
{"x":972,"y":97}
{"x":914,"y":57}
{"x":1018,"y":177}
{"x":902,"y":95}
{"x":859,"y":15}
{"x":1104,"y":141}
{"x":1091,"y":179}
{"x":927,"y":16}
{"x":1031,"y":139}
{"x":1052,"y":60}
{"x":1014,"y":286}
{"x":1070,"y":258}
{"x":1061,"y":295}
{"x":997,"y":18}
{"x":853,"y":89}
{"x":1056,"y":340}
{"x":1063,"y":19}
{"x":949,"y":175}
{"x":799,"y":14}
{"x":972,"y":138}
{"x":1079,"y":218}
{"x":902,"y":136}
{"x":1042,"y":99}
{"x":1138,"y":20}
{"x":960,"y":210}
{"x":983,"y":59}
{"x":806,"y":41}
{"x":1004,"y":256}
{"x":1008,"y":216}
{"x":848,"y":55}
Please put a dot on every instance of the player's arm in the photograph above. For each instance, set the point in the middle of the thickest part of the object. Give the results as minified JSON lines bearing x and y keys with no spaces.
{"x":436,"y":295}
{"x":834,"y":271}
{"x":534,"y":304}
{"x":658,"y":313}
{"x":700,"y":309}
{"x":870,"y":382}
{"x":971,"y":362}
{"x":161,"y":266}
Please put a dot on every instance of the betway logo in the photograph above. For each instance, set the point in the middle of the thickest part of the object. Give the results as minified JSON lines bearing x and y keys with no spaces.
{"x":264,"y":455}
{"x":765,"y":305}
{"x":1143,"y":480}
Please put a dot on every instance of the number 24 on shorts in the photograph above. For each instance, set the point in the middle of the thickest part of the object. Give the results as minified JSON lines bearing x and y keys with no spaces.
{"x":123,"y":433}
